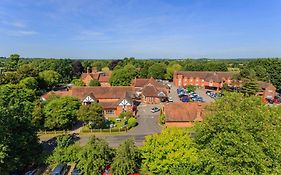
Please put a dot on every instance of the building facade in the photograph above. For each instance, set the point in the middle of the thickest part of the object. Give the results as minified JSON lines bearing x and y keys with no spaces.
{"x":204,"y":79}
{"x":267,"y":91}
{"x":114,"y":100}
{"x":150,"y":91}
{"x":93,"y":74}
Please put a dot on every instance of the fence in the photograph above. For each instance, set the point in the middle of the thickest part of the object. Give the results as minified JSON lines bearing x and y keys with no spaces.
{"x":87,"y":130}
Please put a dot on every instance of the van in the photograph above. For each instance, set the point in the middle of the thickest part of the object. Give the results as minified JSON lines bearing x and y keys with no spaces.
{"x":59,"y":170}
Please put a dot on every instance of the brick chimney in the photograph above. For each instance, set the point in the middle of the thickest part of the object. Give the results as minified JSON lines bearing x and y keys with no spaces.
{"x":88,"y":70}
{"x":94,"y":70}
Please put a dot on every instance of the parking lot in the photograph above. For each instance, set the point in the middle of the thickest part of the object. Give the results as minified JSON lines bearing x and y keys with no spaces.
{"x":200,"y":91}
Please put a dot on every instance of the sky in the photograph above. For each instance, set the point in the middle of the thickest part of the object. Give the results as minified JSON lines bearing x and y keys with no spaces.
{"x":111,"y":29}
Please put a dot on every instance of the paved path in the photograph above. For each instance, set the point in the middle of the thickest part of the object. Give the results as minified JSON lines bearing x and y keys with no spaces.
{"x":173,"y":93}
{"x":147,"y":124}
{"x":202,"y":93}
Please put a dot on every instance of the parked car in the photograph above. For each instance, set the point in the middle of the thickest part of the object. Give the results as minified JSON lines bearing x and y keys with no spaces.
{"x":185,"y":99}
{"x":33,"y":172}
{"x":75,"y":171}
{"x":60,"y":169}
{"x":170,"y":99}
{"x":155,"y":109}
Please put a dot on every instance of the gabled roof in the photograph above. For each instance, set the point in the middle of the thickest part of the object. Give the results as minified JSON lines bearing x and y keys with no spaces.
{"x":264,"y":85}
{"x":101,"y":77}
{"x":113,"y":92}
{"x":141,"y":82}
{"x":184,"y":112}
{"x":150,"y":90}
{"x":89,"y":98}
{"x":206,"y":75}
{"x":126,"y":99}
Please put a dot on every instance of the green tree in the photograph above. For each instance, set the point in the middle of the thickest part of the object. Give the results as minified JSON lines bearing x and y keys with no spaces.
{"x":190,"y":88}
{"x":92,"y":114}
{"x":132,"y":122}
{"x":19,"y":145}
{"x":94,"y":156}
{"x":157,"y":71}
{"x":123,"y":76}
{"x":249,"y":87}
{"x":172,"y":148}
{"x":240,"y":135}
{"x":65,"y":152}
{"x":26,"y":70}
{"x":77,"y":82}
{"x":50,"y":78}
{"x":29,"y":82}
{"x":94,"y":83}
{"x":12,"y":62}
{"x":172,"y":67}
{"x":38,"y":115}
{"x":127,"y":160}
{"x":61,"y":113}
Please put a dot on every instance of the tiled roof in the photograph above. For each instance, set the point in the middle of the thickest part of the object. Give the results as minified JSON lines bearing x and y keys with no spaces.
{"x":113,"y":92}
{"x":265,"y":85}
{"x":184,"y":112}
{"x":151,"y":91}
{"x":109,"y":105}
{"x":206,"y":75}
{"x":141,"y":82}
{"x":104,"y":78}
{"x":101,"y":77}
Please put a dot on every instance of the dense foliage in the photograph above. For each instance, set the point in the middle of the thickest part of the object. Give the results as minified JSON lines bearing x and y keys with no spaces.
{"x":241,"y":136}
{"x":94,"y":83}
{"x":92,"y":115}
{"x":18,"y":144}
{"x":127,"y":159}
{"x":169,"y":150}
{"x":61,"y":113}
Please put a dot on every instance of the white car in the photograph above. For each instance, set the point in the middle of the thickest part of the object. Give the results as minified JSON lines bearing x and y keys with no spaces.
{"x":170,"y":99}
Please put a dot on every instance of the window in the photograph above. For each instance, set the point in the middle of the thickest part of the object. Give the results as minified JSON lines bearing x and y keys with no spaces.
{"x":111,"y":112}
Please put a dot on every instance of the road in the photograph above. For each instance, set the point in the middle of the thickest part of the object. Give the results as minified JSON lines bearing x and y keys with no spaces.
{"x":147,"y":124}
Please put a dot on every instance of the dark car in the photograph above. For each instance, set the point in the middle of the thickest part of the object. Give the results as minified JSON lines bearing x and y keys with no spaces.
{"x":60,"y":169}
{"x":75,"y":171}
{"x":33,"y":172}
{"x":185,"y":99}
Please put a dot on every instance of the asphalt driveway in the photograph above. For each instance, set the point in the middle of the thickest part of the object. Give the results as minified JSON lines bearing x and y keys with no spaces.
{"x":148,"y":123}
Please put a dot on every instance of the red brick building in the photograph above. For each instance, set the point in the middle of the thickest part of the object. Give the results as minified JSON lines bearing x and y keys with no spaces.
{"x":114,"y":100}
{"x":204,"y":79}
{"x":267,"y":91}
{"x":179,"y":114}
{"x":93,"y":74}
{"x":150,"y":91}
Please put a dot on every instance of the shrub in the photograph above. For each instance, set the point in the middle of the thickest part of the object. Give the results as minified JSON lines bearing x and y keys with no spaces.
{"x":162,"y":119}
{"x":94,"y":83}
{"x":132,"y":122}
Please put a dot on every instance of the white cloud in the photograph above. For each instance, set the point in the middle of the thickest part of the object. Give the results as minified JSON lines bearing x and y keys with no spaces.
{"x":18,"y":33}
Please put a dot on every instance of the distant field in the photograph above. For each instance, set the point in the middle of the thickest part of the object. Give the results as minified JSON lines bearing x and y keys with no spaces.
{"x":230,"y":69}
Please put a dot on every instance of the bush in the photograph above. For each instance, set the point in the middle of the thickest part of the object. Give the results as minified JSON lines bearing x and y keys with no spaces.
{"x":132,"y":122}
{"x":78,"y":82}
{"x":94,"y":83}
{"x":162,"y":119}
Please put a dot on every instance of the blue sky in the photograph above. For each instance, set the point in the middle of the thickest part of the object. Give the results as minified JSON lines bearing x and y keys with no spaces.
{"x":140,"y":28}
